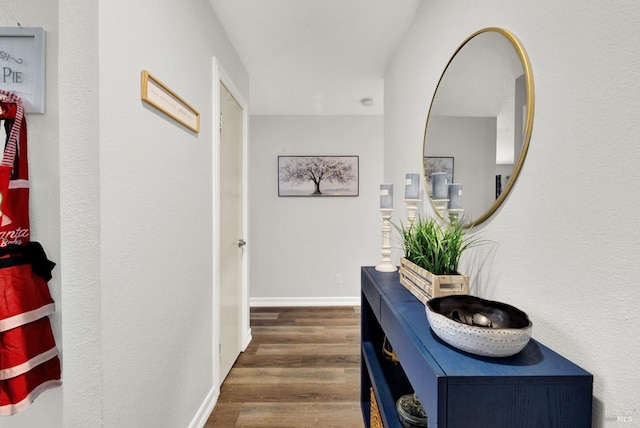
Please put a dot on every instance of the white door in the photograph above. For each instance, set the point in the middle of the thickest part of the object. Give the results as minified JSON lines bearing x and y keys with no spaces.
{"x":231,"y":230}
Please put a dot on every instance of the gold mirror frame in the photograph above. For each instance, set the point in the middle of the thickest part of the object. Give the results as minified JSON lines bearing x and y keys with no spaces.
{"x":528,"y":122}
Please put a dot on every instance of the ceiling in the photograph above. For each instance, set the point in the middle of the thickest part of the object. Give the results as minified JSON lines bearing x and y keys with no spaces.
{"x":315,"y":57}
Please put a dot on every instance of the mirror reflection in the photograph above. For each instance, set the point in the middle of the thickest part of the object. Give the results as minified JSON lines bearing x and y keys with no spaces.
{"x":479,"y":126}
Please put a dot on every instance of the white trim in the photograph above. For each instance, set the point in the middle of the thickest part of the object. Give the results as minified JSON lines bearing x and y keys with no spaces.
{"x":202,"y":415}
{"x":12,"y":409}
{"x":216,"y":225}
{"x":14,"y":371}
{"x":20,"y":183}
{"x":304,"y":301}
{"x":26,"y":317}
{"x":247,"y":340}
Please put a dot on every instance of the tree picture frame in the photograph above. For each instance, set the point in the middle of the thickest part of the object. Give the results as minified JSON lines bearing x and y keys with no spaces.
{"x":317,"y":176}
{"x":438,"y":164}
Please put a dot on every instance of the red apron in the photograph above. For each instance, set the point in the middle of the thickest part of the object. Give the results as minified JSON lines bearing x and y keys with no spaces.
{"x":29,"y":362}
{"x":14,"y":174}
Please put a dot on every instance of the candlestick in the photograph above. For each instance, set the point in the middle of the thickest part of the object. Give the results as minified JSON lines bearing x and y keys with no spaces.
{"x":455,"y":214}
{"x":412,"y":208}
{"x":412,"y":186}
{"x":455,"y":196}
{"x":386,"y":196}
{"x":440,"y":205}
{"x":386,"y":265}
{"x":439,"y":183}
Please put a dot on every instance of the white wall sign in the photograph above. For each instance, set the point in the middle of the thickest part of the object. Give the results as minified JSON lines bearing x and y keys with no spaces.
{"x":22,"y":65}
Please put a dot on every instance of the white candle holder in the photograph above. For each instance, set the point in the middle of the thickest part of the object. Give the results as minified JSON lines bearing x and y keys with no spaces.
{"x":455,"y":214}
{"x":386,"y":265}
{"x":412,"y":208}
{"x":440,"y":206}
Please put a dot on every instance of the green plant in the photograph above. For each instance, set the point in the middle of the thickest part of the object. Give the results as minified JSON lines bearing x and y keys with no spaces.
{"x":435,"y":245}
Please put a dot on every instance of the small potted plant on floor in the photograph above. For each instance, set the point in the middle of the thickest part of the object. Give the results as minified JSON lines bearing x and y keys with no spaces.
{"x":432,"y":250}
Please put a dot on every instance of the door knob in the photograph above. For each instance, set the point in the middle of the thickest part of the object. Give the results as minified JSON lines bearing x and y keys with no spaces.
{"x":241,"y":243}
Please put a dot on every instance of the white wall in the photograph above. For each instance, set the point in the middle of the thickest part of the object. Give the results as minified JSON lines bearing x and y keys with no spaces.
{"x":157,"y":210}
{"x":566,"y":240}
{"x":79,"y":213}
{"x":133,"y":238}
{"x":298,"y":245}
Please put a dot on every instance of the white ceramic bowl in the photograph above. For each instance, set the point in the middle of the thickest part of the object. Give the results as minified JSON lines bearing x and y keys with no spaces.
{"x":504,"y":330}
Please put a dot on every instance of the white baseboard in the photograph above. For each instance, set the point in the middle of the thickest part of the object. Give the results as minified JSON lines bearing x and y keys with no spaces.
{"x":304,"y":301}
{"x":205,"y":409}
{"x":247,"y":340}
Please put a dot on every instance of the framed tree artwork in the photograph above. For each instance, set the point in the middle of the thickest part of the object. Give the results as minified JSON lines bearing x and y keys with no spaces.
{"x":438,"y":164}
{"x":318,"y":175}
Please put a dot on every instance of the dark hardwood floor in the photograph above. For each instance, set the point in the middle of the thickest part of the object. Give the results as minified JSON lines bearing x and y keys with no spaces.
{"x":302,"y":369}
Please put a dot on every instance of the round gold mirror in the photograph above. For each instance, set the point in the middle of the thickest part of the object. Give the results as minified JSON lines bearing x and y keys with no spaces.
{"x":479,"y":126}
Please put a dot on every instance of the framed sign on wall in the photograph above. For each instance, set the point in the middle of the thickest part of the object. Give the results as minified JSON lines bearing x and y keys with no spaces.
{"x":22,"y":65}
{"x":158,"y":95}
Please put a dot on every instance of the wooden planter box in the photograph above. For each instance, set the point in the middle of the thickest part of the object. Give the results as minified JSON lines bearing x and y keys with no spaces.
{"x":425,"y":285}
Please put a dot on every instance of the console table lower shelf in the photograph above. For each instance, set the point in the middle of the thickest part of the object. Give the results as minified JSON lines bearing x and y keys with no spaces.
{"x":535,"y":388}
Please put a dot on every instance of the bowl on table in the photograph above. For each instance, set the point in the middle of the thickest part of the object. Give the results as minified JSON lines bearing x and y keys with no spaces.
{"x":478,"y":326}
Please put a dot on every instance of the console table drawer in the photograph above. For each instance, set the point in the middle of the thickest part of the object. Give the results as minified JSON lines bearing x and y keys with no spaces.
{"x":372,"y":295}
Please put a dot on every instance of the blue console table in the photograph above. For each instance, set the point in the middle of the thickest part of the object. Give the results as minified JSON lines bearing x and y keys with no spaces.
{"x":535,"y":388}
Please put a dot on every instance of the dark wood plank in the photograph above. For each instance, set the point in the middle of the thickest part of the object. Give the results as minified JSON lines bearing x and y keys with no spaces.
{"x":301,"y":370}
